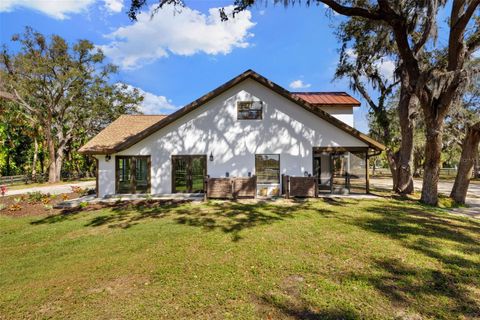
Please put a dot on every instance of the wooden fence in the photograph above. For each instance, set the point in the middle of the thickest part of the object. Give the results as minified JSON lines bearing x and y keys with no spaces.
{"x":301,"y":187}
{"x":230,"y":188}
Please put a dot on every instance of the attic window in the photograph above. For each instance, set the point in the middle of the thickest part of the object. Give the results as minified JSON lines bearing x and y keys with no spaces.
{"x":249,"y":110}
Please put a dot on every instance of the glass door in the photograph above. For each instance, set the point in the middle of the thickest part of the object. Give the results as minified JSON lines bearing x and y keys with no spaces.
{"x":132,"y":174}
{"x":124,"y":177}
{"x":180,"y":174}
{"x":188,"y":173}
{"x":339,"y":165}
{"x":141,"y":175}
{"x":198,"y":172}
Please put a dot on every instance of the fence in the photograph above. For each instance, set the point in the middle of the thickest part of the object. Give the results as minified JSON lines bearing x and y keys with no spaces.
{"x":40,"y":177}
{"x":302,"y":187}
{"x":230,"y":188}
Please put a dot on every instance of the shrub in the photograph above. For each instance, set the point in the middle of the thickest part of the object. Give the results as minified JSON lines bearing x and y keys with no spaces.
{"x":17,"y":200}
{"x":2,"y":206}
{"x":48,"y":207}
{"x":83,"y":204}
{"x":35,"y":196}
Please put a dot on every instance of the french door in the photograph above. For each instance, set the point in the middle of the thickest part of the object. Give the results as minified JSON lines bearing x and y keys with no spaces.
{"x":132,"y":174}
{"x":188,"y":173}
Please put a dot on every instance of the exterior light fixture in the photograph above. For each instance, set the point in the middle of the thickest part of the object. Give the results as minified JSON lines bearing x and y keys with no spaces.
{"x":108,"y":157}
{"x":305,"y":174}
{"x":211,"y":156}
{"x":227,"y":174}
{"x":249,"y":174}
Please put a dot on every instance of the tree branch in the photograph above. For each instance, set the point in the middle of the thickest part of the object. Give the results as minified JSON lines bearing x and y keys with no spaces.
{"x":352,"y":11}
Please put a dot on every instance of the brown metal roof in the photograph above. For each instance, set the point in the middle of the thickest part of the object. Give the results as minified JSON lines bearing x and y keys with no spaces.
{"x":117,"y":139}
{"x":328,"y":98}
{"x":119,"y":131}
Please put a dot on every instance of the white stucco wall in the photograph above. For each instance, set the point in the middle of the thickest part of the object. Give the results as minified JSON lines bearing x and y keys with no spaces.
{"x":342,"y":113}
{"x":286,"y":129}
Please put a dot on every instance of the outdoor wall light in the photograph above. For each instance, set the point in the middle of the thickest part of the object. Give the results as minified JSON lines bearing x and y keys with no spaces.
{"x":249,"y":174}
{"x":108,"y":157}
{"x":305,"y":174}
{"x":227,"y":174}
{"x":211,"y":156}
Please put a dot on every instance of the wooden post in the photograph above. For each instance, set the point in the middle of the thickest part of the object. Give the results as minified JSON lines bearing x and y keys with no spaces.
{"x":367,"y":173}
{"x":288,"y":187}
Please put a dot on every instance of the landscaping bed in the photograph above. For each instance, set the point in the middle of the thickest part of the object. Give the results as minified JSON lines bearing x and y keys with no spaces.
{"x":36,"y":203}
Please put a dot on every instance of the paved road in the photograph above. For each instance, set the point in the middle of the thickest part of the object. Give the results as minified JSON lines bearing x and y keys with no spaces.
{"x":53,"y":189}
{"x":444,"y":187}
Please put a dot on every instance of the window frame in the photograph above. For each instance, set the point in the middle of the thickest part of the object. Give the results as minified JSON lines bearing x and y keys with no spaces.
{"x":259,"y":112}
{"x":279,"y":168}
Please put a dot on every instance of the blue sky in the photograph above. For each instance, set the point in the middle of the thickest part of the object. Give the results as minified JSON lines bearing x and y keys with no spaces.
{"x":176,"y":59}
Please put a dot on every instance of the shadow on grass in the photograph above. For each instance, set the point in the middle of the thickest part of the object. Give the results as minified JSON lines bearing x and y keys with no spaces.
{"x":435,"y":237}
{"x":227,"y":216}
{"x":299,"y":309}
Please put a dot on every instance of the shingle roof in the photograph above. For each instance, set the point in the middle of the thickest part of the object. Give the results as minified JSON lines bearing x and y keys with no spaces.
{"x":328,"y":98}
{"x":124,"y":134}
{"x":119,"y":131}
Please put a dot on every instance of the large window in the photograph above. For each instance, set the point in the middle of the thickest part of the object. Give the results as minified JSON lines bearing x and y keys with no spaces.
{"x":267,"y":168}
{"x":249,"y":110}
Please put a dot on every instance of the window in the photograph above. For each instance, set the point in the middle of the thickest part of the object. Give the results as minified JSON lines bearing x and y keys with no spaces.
{"x":249,"y":110}
{"x":267,"y":168}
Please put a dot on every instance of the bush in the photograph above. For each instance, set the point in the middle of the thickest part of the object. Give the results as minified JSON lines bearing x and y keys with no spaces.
{"x":2,"y":206}
{"x":83,"y":205}
{"x":36,"y":196}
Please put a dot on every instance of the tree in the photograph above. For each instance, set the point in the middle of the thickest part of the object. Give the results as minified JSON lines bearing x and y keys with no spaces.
{"x":467,"y":124}
{"x":365,"y":46}
{"x":63,"y":89}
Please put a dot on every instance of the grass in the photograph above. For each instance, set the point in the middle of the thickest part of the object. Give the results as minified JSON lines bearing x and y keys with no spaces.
{"x":318,"y":259}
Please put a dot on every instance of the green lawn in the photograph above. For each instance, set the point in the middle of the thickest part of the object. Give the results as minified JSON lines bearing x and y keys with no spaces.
{"x":341,"y":259}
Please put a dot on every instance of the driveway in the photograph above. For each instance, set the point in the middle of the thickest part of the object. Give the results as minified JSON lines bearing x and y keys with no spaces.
{"x":52,"y":189}
{"x":444,"y":187}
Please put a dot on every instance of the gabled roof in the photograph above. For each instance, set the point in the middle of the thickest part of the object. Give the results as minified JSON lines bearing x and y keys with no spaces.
{"x":328,"y":98}
{"x":119,"y":131}
{"x":107,"y":147}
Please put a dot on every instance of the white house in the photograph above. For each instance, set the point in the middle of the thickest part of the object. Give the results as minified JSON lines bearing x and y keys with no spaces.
{"x":248,"y":126}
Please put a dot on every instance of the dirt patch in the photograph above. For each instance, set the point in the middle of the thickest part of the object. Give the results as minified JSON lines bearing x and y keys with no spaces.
{"x":26,"y":205}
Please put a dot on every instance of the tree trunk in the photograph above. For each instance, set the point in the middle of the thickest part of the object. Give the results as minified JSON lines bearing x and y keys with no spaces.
{"x":58,"y":164}
{"x":35,"y":158}
{"x":467,"y":160}
{"x":406,"y":108}
{"x":433,"y":152}
{"x":392,"y":164}
{"x":52,"y":163}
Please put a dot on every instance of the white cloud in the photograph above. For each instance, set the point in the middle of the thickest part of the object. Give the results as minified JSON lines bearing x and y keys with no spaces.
{"x":53,"y":8}
{"x":153,"y":104}
{"x":299,"y":84}
{"x":385,"y":66}
{"x":185,"y":33}
{"x":114,"y":5}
